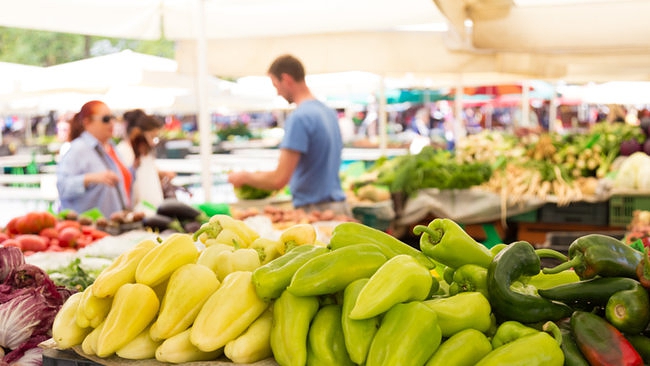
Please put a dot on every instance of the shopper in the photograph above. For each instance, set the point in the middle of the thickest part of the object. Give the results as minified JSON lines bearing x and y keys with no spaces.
{"x":91,"y":174}
{"x":138,"y":150}
{"x":310,"y":151}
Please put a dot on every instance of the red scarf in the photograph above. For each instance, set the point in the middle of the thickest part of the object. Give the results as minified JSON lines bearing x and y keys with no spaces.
{"x":126,"y":174}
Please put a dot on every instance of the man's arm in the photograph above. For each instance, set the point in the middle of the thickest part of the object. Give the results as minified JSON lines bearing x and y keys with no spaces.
{"x":271,"y":180}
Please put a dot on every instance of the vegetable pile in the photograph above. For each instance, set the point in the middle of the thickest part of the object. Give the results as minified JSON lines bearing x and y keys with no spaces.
{"x":29,"y":302}
{"x":365,"y":298}
{"x":42,"y":231}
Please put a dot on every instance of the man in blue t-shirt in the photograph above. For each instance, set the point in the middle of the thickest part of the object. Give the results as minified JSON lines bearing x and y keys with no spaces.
{"x":310,"y":152}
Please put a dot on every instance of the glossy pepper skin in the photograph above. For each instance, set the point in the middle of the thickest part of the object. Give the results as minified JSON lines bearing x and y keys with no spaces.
{"x":296,"y":235}
{"x":401,"y":279}
{"x":572,"y":354}
{"x":292,"y":316}
{"x":237,"y":229}
{"x":465,"y":310}
{"x":469,"y":278}
{"x":600,"y":255}
{"x":272,"y":279}
{"x":538,"y":349}
{"x":408,"y":335}
{"x":227,"y":312}
{"x":325,"y":342}
{"x":643,"y":269}
{"x":65,"y":331}
{"x":641,"y":344}
{"x":544,"y":281}
{"x":446,"y":242}
{"x":254,"y":344}
{"x":509,"y":331}
{"x":588,"y":294}
{"x":135,"y":305}
{"x":357,"y":333}
{"x":600,"y":342}
{"x":629,"y":310}
{"x":333,"y":271}
{"x":454,"y":350}
{"x":352,"y":233}
{"x":517,"y":260}
{"x":159,"y":263}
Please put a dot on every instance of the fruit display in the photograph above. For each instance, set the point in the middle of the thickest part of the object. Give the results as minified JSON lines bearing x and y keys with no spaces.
{"x":365,"y":297}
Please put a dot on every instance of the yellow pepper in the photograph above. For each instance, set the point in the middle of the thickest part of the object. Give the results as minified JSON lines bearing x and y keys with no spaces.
{"x":298,"y":234}
{"x":182,"y":303}
{"x":228,"y":312}
{"x":89,"y":344}
{"x":65,"y":331}
{"x":134,"y":307}
{"x":227,"y":262}
{"x":179,"y":349}
{"x":267,"y":249}
{"x":159,"y":263}
{"x":92,"y":310}
{"x":121,"y":270}
{"x":141,"y":347}
{"x":218,"y":223}
{"x":255,"y":343}
{"x":208,"y":256}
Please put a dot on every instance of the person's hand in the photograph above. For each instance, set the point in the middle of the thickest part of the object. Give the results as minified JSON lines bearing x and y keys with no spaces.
{"x":237,"y":179}
{"x":107,"y":177}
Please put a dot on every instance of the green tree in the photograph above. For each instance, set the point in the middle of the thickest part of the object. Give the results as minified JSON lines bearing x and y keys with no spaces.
{"x":42,"y":48}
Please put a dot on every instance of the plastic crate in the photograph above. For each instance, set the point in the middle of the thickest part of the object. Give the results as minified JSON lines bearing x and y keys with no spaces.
{"x":595,"y":213}
{"x":622,"y":207}
{"x":378,"y":215}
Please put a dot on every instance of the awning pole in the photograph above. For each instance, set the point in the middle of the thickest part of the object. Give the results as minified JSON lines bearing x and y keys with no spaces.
{"x":205,"y":126}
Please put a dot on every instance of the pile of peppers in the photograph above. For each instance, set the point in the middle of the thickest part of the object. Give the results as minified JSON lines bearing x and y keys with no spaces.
{"x":400,"y":305}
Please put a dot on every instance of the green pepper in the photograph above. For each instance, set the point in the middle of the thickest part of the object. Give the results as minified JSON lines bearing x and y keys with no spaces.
{"x":333,"y":271}
{"x":517,"y":260}
{"x":454,"y":351}
{"x":509,"y":331}
{"x":357,"y":333}
{"x":643,"y":269}
{"x":401,"y":279}
{"x":407,"y":336}
{"x":588,"y":294}
{"x":352,"y":233}
{"x":543,"y":281}
{"x":464,"y":310}
{"x":446,"y":242}
{"x":600,"y":255}
{"x":629,"y":310}
{"x":272,"y":279}
{"x":572,"y":354}
{"x":448,"y":274}
{"x":641,"y":344}
{"x":325,"y":343}
{"x":468,"y":278}
{"x":539,"y":348}
{"x":600,"y":342}
{"x":292,"y":316}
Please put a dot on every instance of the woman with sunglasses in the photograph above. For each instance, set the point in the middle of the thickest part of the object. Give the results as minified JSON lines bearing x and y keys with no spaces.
{"x":91,"y":174}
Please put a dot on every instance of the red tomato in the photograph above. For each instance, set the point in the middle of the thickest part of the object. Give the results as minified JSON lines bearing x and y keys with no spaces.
{"x":3,"y":237}
{"x":68,"y":236}
{"x":32,"y":242}
{"x":12,"y":243}
{"x":67,"y":223}
{"x":49,"y":232}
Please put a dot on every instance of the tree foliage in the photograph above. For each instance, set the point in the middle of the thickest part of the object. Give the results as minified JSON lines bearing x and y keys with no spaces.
{"x":42,"y":48}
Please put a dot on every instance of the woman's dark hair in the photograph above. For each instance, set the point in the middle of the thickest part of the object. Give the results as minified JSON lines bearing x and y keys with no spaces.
{"x":138,"y":122}
{"x":77,"y":121}
{"x":287,"y":64}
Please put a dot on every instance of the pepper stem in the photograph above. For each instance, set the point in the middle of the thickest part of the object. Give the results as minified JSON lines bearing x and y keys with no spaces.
{"x":551,"y":253}
{"x":552,"y":328}
{"x":562,"y":266}
{"x":434,"y":235}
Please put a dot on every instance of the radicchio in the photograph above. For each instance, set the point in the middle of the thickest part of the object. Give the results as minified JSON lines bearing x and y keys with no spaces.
{"x":10,"y":258}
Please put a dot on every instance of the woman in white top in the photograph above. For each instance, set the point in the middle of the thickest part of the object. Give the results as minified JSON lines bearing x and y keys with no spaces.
{"x":138,"y":150}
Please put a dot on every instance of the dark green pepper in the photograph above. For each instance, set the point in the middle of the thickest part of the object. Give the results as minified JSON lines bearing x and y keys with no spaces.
{"x":469,"y":278}
{"x":600,"y":255}
{"x":333,"y":271}
{"x":572,"y":354}
{"x":325,"y":342}
{"x":629,"y":310}
{"x":643,"y":269}
{"x":455,"y":351}
{"x":641,"y":344}
{"x":446,"y":242}
{"x":537,"y":349}
{"x":462,"y":311}
{"x":509,"y":331}
{"x":272,"y":279}
{"x":588,"y":294}
{"x":402,"y":278}
{"x":600,"y":342}
{"x":408,"y":335}
{"x":292,"y":316}
{"x":517,"y":260}
{"x":358,"y":333}
{"x":352,"y":233}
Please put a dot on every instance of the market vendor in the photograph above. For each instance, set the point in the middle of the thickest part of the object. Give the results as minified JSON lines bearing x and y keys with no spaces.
{"x":91,"y":174}
{"x":310,"y":151}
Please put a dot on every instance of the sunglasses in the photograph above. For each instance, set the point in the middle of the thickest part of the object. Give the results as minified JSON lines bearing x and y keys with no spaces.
{"x":107,"y":118}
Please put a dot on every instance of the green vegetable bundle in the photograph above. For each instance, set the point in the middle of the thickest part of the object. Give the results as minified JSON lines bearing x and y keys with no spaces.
{"x":247,"y":192}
